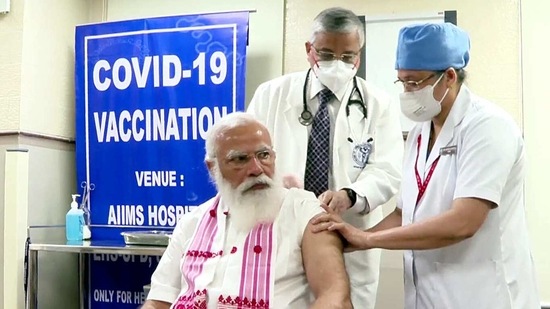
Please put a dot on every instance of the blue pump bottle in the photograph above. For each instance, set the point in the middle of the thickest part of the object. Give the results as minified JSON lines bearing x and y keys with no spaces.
{"x":74,"y":221}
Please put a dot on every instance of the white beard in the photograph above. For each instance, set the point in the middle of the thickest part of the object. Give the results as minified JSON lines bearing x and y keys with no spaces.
{"x":249,"y":208}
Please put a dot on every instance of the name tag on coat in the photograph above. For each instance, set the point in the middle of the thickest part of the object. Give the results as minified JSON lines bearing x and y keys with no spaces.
{"x":447,"y":151}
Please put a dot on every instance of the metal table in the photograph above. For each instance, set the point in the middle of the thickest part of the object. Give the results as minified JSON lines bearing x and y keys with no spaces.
{"x":82,"y":248}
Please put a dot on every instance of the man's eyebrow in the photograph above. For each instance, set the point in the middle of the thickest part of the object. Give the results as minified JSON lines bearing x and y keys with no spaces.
{"x":324,"y":49}
{"x":350,"y":52}
{"x":407,"y":78}
{"x":234,"y":153}
{"x":347,"y":52}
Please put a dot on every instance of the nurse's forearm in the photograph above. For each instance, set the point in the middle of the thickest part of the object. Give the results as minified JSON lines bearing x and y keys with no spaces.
{"x":440,"y":231}
{"x":390,"y":221}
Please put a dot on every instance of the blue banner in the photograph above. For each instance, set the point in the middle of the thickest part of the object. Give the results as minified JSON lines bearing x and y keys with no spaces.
{"x":117,"y":281}
{"x":147,"y":91}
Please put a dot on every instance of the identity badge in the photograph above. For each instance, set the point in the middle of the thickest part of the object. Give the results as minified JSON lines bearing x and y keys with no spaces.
{"x":361,"y":153}
{"x":447,"y":151}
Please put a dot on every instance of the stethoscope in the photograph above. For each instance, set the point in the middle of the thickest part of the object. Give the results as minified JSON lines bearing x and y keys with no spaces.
{"x":306,"y":117}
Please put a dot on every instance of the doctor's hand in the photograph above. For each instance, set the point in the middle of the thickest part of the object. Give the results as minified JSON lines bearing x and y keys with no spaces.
{"x":336,"y":200}
{"x":354,"y":238}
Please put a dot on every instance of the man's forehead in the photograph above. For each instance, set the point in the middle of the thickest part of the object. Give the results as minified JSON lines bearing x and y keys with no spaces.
{"x":330,"y":41}
{"x":244,"y":137}
{"x":244,"y":133}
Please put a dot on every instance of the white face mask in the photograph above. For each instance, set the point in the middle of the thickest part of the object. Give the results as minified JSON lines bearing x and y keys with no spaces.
{"x":420,"y":105}
{"x":334,"y":74}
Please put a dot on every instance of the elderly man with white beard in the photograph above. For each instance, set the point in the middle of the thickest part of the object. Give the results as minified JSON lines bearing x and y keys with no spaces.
{"x":251,"y":246}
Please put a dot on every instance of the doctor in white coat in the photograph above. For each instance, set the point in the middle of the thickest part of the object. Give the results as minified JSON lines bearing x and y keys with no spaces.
{"x":364,"y":147}
{"x":460,"y":217}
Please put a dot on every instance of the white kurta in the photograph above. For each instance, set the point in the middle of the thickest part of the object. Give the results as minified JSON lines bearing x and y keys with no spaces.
{"x":483,"y":158}
{"x":291,"y":289}
{"x":278,"y":104}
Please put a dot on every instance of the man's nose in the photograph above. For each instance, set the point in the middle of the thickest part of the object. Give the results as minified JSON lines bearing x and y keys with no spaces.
{"x":255,"y":168}
{"x":408,"y":88}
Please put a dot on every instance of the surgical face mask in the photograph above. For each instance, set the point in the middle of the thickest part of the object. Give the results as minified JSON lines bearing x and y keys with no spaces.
{"x":420,"y":105}
{"x":334,"y":74}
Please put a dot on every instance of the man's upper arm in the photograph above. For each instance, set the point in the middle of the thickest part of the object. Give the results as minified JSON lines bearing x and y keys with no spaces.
{"x":322,"y":254}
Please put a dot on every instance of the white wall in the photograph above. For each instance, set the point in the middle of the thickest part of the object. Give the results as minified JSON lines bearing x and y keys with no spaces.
{"x":535,"y":31}
{"x":47,"y":72}
{"x":11,"y":38}
{"x":265,"y":52}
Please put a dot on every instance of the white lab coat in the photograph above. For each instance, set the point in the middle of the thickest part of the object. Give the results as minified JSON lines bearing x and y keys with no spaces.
{"x":278,"y":104}
{"x":494,"y":268}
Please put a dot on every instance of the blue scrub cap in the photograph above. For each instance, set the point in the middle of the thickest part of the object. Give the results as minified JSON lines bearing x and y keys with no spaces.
{"x":432,"y":47}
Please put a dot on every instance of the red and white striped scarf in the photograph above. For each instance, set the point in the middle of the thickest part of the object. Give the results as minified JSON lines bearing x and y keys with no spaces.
{"x":256,"y":277}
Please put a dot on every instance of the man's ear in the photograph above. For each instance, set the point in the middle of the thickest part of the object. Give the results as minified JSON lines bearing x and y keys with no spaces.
{"x":210,"y":166}
{"x":308,"y":47}
{"x":452,"y":76}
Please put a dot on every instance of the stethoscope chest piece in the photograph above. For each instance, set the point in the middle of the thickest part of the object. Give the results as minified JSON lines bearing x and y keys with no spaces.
{"x":306,"y":118}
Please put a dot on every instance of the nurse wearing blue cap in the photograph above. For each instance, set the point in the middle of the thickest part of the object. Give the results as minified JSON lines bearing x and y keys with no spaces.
{"x":460,"y":215}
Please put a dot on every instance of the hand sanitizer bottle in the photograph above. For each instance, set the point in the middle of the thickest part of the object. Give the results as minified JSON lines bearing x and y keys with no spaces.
{"x":74,"y":221}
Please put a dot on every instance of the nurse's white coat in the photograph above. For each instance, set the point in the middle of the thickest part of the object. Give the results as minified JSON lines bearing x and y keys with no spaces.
{"x":494,"y":268}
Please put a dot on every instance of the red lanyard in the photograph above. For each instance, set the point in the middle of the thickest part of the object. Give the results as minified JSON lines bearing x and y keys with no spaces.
{"x":422,"y":185}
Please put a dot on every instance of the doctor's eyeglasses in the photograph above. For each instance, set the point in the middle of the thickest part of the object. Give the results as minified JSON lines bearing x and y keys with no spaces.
{"x":329,"y":56}
{"x":238,"y":159}
{"x":411,"y":85}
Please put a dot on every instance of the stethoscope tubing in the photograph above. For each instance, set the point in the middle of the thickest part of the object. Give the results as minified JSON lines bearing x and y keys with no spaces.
{"x":306,"y":117}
